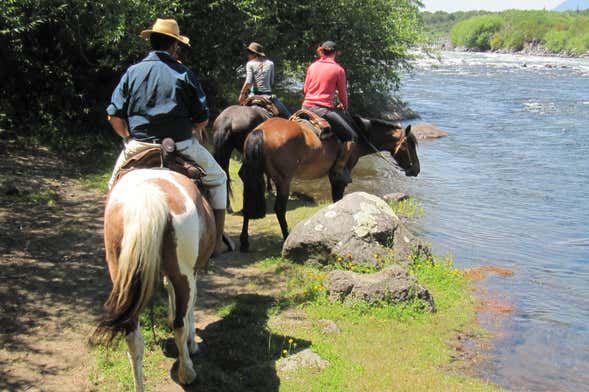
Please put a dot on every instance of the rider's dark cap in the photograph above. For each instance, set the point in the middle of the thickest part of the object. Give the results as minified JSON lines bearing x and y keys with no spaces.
{"x":328,"y":45}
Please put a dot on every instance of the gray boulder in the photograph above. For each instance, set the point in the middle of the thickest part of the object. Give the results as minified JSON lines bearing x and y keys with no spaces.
{"x":425,"y":130}
{"x":396,"y":196}
{"x":303,"y":359}
{"x":392,"y":285}
{"x":361,"y":229}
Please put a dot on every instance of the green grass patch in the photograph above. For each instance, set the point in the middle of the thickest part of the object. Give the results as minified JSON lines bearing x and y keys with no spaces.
{"x":46,"y":197}
{"x":387,"y":347}
{"x":113,"y":371}
{"x":409,"y":208}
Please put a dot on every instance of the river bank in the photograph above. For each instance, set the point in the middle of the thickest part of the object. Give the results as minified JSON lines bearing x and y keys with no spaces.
{"x":250,"y":310}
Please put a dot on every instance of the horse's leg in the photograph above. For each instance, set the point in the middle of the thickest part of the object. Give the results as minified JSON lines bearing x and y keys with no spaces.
{"x":337,"y":189}
{"x":192,"y":345}
{"x":282,"y":192}
{"x":243,"y":238}
{"x":268,"y":184}
{"x":171,"y":301}
{"x":135,"y":348}
{"x":185,"y":289}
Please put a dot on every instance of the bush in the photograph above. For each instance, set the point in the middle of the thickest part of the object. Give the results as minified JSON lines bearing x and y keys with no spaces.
{"x":557,"y":31}
{"x":60,"y":59}
{"x":476,"y":33}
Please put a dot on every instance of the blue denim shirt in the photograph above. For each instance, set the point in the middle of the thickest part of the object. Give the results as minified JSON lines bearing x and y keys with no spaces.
{"x":159,"y":97}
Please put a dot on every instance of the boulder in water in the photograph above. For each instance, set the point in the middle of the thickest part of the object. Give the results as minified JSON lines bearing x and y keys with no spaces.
{"x":425,"y":130}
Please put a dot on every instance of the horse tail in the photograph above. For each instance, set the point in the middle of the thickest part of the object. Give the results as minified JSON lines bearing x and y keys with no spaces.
{"x":145,"y":219}
{"x":222,"y":145}
{"x":252,"y":174}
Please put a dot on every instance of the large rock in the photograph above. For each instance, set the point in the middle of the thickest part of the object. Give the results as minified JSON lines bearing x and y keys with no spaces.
{"x":392,"y":285}
{"x":425,"y":130}
{"x":361,"y":229}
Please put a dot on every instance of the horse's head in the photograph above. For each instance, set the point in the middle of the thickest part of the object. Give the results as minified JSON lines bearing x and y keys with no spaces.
{"x":401,"y":143}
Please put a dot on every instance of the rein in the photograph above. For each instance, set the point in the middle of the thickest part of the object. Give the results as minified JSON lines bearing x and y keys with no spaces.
{"x":379,"y":154}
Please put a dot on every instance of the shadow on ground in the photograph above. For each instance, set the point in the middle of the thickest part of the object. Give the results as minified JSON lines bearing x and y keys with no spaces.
{"x":238,"y":352}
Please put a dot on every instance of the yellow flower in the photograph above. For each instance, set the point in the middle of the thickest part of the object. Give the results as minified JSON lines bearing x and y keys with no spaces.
{"x":339,"y":258}
{"x":376,"y":256}
{"x":290,"y":341}
{"x":294,"y":344}
{"x":284,"y":352}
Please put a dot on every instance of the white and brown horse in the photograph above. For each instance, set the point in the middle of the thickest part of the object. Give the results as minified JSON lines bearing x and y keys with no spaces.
{"x":156,"y":223}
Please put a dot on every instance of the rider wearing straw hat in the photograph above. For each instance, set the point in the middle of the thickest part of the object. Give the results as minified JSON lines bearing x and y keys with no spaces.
{"x":259,"y":78}
{"x":161,"y":98}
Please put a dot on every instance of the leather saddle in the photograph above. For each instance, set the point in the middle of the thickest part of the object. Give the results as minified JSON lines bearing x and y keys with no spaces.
{"x":313,"y":121}
{"x":263,"y":102}
{"x":163,"y":155}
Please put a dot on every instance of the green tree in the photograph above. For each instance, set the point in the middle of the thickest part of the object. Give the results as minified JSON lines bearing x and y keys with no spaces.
{"x":62,"y":58}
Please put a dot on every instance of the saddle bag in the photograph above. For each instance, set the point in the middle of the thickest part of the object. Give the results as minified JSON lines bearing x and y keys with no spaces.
{"x":163,"y":155}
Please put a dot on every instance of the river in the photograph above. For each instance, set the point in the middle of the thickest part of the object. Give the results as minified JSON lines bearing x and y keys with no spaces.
{"x":509,"y":187}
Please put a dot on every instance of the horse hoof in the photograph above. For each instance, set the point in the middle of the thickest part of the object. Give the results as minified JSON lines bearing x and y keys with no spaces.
{"x":186,"y":374}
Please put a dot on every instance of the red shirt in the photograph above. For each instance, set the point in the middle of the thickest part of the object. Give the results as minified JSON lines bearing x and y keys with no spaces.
{"x":324,"y":77}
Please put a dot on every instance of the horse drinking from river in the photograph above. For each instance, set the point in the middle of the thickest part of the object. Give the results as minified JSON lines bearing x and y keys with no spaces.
{"x":287,"y":149}
{"x":156,"y":223}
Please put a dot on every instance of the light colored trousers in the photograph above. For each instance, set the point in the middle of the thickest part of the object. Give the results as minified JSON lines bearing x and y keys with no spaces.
{"x":215,"y":179}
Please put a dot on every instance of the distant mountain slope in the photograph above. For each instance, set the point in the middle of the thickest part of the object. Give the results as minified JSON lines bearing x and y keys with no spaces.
{"x":573,"y":5}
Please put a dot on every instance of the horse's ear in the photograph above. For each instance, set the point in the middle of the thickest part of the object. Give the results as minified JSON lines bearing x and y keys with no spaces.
{"x":408,"y":130}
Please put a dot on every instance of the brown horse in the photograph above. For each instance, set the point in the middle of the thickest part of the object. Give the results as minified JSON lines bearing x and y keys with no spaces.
{"x":285,"y":150}
{"x":156,"y":223}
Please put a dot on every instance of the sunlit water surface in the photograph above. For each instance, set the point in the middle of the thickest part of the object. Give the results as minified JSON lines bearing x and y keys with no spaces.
{"x":509,"y":187}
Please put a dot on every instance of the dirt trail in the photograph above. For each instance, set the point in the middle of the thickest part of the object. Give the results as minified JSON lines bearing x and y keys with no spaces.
{"x":53,"y":279}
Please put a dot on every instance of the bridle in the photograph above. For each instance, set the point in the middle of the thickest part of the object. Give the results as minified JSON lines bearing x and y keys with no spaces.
{"x":400,"y":143}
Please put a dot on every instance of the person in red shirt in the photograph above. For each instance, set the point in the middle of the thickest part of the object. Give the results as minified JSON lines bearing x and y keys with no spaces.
{"x":324,"y":78}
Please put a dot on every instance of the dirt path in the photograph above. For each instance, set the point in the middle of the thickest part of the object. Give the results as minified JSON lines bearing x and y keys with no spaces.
{"x":53,"y":278}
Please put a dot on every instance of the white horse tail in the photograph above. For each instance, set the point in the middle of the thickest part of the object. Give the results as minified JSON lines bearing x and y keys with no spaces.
{"x":145,"y":218}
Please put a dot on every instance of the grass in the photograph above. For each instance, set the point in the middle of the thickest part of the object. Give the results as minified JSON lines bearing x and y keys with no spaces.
{"x":409,"y":208}
{"x":380,"y":348}
{"x":399,"y":347}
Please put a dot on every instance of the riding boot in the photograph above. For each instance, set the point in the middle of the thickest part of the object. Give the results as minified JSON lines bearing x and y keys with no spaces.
{"x":340,"y":172}
{"x":221,"y":236}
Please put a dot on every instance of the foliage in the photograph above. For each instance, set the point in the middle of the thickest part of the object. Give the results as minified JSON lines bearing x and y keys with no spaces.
{"x":409,"y":208}
{"x":559,"y":32}
{"x":60,"y":59}
{"x":437,"y":25}
{"x":476,"y":33}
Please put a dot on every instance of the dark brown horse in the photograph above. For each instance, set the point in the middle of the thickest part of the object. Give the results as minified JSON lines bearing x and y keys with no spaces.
{"x":230,"y":130}
{"x":285,"y":150}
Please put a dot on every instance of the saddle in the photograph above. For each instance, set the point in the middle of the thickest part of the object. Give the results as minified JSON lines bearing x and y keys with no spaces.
{"x":162,"y":155}
{"x":313,"y":121}
{"x":263,"y":102}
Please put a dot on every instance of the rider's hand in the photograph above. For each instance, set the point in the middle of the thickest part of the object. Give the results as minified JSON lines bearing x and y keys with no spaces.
{"x":340,"y":106}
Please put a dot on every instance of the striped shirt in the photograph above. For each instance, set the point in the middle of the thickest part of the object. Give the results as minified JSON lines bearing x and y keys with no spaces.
{"x":260,"y":75}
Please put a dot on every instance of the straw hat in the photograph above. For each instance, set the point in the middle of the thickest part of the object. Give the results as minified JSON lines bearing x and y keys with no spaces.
{"x":256,"y":48}
{"x":167,"y":27}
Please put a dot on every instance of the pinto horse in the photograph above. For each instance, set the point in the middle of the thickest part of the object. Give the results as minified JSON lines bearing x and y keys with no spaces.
{"x":286,"y":149}
{"x":156,"y":223}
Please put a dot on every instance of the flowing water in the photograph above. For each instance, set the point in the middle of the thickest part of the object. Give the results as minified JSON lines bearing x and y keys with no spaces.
{"x":509,"y":187}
